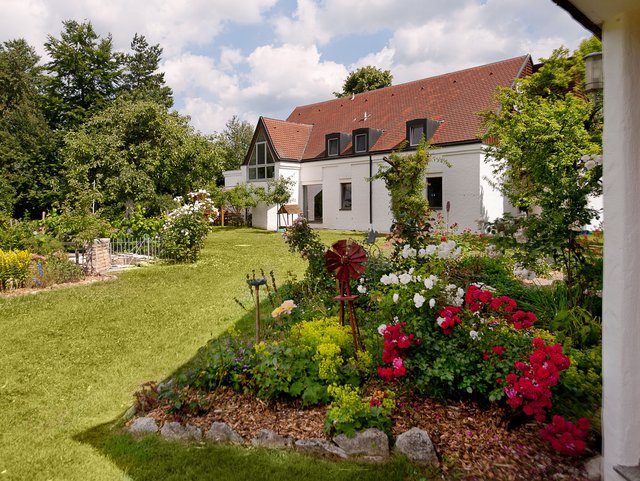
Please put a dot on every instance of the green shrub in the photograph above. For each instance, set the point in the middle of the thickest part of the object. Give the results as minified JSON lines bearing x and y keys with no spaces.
{"x":283,"y":370}
{"x":57,"y":269}
{"x":579,"y":393}
{"x":15,"y":267}
{"x":187,"y":226}
{"x":350,"y":412}
{"x":229,"y":361}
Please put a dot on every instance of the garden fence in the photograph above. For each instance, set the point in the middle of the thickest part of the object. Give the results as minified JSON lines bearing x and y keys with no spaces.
{"x":130,"y":250}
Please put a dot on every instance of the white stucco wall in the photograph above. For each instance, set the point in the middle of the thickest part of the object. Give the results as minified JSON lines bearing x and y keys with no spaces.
{"x":233,"y":178}
{"x":621,"y":304}
{"x":464,"y":184}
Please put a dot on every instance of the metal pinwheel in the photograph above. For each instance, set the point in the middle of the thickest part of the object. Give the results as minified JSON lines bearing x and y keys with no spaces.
{"x":346,"y":258}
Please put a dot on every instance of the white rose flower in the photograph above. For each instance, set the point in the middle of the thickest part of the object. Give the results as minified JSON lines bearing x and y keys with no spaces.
{"x":418,"y":300}
{"x":396,"y":297}
{"x":362,"y":289}
{"x":405,"y":278}
{"x":474,"y":335}
{"x":381,"y":329}
{"x":432,"y":303}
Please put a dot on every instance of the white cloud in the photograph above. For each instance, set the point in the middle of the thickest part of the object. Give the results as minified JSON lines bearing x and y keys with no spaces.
{"x":475,"y":34}
{"x":290,"y":75}
{"x":174,"y":24}
{"x":190,"y":73}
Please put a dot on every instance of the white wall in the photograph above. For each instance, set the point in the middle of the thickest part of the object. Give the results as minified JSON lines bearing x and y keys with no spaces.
{"x":621,"y":304}
{"x":464,"y":187}
{"x":233,"y":178}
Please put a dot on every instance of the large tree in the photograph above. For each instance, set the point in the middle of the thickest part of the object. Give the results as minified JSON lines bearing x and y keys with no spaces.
{"x":141,"y":79}
{"x":234,"y":142}
{"x":365,"y":79}
{"x":28,"y":173}
{"x":136,"y":152}
{"x":546,"y":141}
{"x":84,"y":74}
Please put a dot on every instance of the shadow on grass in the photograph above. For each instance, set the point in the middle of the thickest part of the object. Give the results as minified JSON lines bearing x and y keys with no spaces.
{"x":151,"y":458}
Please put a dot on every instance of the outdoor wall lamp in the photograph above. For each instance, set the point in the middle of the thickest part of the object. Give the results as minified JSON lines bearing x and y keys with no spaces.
{"x":594,"y":75}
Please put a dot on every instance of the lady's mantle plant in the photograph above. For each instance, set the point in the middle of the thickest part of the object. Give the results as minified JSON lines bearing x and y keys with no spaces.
{"x":187,"y":226}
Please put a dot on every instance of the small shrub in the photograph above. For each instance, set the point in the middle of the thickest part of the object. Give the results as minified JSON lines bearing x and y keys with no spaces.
{"x":186,"y":228}
{"x":229,"y":362}
{"x":15,"y":267}
{"x":579,"y":393}
{"x":350,"y":412}
{"x":57,"y":269}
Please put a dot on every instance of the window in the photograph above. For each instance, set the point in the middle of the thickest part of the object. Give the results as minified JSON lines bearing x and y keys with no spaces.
{"x":261,"y":164}
{"x":434,"y":192}
{"x":416,"y":132}
{"x":360,"y":143}
{"x":333,"y":146}
{"x":345,"y":196}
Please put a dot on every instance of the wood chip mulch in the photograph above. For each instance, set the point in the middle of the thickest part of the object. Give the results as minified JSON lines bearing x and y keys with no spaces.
{"x":472,"y":443}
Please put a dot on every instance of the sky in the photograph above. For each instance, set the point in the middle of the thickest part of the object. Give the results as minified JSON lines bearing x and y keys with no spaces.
{"x":264,"y":57}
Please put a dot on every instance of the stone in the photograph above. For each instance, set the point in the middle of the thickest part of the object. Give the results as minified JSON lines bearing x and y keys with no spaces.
{"x":416,"y":445}
{"x":319,"y":447}
{"x":223,"y":433}
{"x":145,"y":425}
{"x":371,"y":444}
{"x":593,"y":468}
{"x":178,"y":432}
{"x":269,"y":439}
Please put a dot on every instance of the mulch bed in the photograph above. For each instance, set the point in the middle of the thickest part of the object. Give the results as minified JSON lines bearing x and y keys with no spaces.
{"x":473,"y":443}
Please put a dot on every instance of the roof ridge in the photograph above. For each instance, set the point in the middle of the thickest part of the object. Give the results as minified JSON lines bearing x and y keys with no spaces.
{"x":287,"y":121}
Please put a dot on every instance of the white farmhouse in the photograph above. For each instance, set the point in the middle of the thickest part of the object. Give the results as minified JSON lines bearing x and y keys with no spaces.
{"x":331,"y":149}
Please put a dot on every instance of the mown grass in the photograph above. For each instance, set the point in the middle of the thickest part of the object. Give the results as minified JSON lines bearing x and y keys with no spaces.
{"x":71,"y":359}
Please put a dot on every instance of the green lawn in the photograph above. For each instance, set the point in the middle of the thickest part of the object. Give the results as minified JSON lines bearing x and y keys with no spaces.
{"x":70,"y":360}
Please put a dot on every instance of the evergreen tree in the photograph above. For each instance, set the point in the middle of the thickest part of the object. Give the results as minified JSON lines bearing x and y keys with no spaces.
{"x":141,"y":79}
{"x":28,"y":173}
{"x":84,"y":74}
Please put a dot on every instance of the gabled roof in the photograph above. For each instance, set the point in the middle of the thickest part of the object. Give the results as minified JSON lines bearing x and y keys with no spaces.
{"x":289,"y":139}
{"x":454,"y":99}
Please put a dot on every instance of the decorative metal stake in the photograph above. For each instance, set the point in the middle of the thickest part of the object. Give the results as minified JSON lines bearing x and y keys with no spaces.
{"x":257,"y":283}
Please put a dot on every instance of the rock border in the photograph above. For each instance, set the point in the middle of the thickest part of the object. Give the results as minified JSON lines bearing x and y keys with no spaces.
{"x":370,"y":445}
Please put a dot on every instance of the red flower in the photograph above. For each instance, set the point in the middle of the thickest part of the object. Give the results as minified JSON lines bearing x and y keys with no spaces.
{"x":499,"y":350}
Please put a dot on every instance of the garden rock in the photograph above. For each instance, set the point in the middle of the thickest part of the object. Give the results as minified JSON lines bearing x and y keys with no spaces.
{"x":416,"y":445}
{"x":319,"y":447}
{"x":371,"y":444}
{"x":593,"y":468}
{"x":178,"y":432}
{"x":222,"y":433}
{"x":269,"y":439}
{"x":143,"y":425}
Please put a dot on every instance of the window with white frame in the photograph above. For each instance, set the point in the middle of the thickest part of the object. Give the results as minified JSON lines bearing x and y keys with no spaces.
{"x":345,"y":196}
{"x":360,"y":143}
{"x":333,"y":146}
{"x":261,"y":165}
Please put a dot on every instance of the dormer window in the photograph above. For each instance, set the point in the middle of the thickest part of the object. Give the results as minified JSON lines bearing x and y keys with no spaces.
{"x":261,"y":165}
{"x":420,"y":128}
{"x":360,"y":143}
{"x":333,"y":146}
{"x":416,"y":130}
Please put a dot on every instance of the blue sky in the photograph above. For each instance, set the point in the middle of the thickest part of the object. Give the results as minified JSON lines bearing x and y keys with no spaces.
{"x":264,"y":57}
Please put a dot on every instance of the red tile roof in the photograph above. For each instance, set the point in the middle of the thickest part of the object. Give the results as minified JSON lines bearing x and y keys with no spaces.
{"x":289,"y":139}
{"x":455,"y":99}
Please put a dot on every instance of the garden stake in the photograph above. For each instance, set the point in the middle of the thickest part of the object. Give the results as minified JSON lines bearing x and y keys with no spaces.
{"x":257,"y":283}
